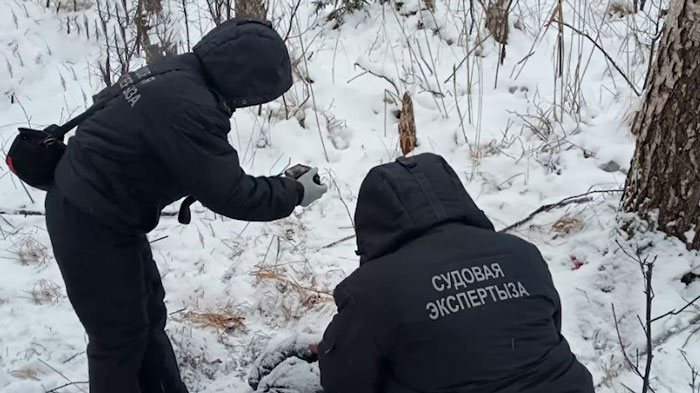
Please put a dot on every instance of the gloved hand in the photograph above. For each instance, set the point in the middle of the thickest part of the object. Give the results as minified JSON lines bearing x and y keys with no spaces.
{"x":312,"y":190}
{"x":292,"y":376}
{"x":296,"y":346}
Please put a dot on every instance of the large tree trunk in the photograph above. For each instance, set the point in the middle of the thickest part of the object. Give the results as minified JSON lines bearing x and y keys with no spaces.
{"x":665,"y":172}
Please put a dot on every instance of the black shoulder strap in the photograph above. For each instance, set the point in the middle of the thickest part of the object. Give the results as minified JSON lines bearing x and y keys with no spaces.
{"x":124,"y":83}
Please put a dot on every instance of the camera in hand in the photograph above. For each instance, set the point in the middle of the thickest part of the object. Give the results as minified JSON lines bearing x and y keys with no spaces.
{"x":300,"y":170}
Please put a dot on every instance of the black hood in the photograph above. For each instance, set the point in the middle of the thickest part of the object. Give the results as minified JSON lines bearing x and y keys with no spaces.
{"x":401,"y":200}
{"x":246,"y":61}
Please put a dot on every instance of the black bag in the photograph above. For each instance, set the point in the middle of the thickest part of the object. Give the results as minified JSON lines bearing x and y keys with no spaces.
{"x":34,"y":154}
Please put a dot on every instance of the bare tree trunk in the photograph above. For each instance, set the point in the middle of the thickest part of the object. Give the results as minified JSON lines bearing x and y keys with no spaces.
{"x":497,"y":19}
{"x":251,"y":8}
{"x":665,"y":172}
{"x":155,"y":29}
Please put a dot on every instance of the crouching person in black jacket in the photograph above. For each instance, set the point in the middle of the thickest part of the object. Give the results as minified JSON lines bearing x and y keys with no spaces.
{"x":161,"y":136}
{"x":441,"y":302}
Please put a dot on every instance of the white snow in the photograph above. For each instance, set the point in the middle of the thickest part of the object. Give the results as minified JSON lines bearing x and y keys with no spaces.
{"x":521,"y":152}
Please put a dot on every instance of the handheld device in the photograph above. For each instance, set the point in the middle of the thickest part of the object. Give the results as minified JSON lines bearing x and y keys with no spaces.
{"x":300,"y":170}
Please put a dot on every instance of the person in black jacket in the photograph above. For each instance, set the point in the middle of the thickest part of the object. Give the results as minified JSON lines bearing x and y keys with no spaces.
{"x":161,"y":136}
{"x":441,"y":302}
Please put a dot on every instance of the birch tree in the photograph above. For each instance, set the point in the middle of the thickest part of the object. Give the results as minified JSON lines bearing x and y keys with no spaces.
{"x":663,"y":183}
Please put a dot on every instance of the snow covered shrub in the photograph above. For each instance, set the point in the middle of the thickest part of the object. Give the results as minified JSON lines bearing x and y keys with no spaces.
{"x":340,"y":8}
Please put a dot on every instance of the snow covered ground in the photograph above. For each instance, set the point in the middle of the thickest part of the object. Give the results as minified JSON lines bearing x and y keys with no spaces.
{"x":527,"y":138}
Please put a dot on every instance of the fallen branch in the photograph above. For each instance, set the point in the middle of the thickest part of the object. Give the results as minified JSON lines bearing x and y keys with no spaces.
{"x":335,"y":243}
{"x":56,"y":389}
{"x":21,"y":212}
{"x":674,"y":312}
{"x":576,"y":199}
{"x":25,"y":213}
{"x":159,"y":239}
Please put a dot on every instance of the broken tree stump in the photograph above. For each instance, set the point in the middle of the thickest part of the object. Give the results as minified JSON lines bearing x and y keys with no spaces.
{"x":407,"y":125}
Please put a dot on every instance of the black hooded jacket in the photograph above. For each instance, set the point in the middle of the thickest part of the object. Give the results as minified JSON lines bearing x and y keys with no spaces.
{"x":164,"y":135}
{"x":442,"y":303}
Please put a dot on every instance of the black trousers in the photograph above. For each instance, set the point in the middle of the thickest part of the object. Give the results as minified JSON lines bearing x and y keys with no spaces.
{"x":115,"y":288}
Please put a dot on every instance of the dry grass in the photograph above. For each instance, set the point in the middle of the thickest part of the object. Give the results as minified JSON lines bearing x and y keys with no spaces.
{"x":26,"y":372}
{"x":309,"y":295}
{"x":567,"y":224}
{"x":225,"y":320}
{"x":610,"y":373}
{"x":45,"y":292}
{"x":31,"y":252}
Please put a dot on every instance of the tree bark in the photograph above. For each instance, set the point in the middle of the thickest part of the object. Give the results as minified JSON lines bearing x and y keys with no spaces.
{"x":407,"y":125}
{"x":664,"y":179}
{"x":251,"y":8}
{"x":497,"y":19}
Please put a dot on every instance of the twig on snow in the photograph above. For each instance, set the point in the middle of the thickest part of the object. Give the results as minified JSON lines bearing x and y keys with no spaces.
{"x":21,"y":212}
{"x":340,"y":195}
{"x":694,"y":374}
{"x":56,"y":389}
{"x":605,"y":53}
{"x":71,"y":383}
{"x":25,"y":213}
{"x":386,"y":78}
{"x":73,"y":357}
{"x":335,"y":243}
{"x":674,"y":312}
{"x":159,"y":239}
{"x":576,"y":199}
